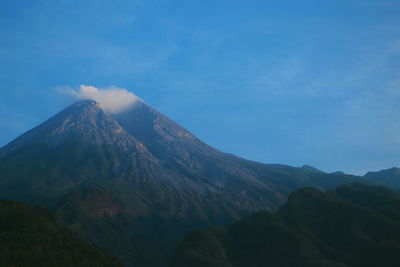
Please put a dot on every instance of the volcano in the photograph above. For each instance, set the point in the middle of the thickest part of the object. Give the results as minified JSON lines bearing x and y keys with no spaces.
{"x":135,"y":182}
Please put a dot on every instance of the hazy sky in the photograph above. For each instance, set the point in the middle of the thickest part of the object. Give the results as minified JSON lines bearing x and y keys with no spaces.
{"x":294,"y":82}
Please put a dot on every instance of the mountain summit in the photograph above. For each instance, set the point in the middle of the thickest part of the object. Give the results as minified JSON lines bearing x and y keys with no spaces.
{"x":140,"y":179}
{"x":83,"y":146}
{"x":84,"y":120}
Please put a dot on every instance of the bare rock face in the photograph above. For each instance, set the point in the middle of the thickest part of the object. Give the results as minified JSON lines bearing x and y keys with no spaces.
{"x":158,"y":181}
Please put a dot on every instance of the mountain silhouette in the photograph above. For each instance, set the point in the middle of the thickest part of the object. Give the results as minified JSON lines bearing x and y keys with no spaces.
{"x":354,"y":225}
{"x":135,"y":182}
{"x":389,"y":177}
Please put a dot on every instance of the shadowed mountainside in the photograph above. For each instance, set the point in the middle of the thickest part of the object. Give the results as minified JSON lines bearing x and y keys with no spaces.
{"x":29,"y":236}
{"x":354,"y":225}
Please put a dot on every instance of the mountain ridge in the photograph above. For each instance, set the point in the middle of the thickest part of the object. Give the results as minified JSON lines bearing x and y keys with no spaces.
{"x":155,"y":180}
{"x":389,"y":177}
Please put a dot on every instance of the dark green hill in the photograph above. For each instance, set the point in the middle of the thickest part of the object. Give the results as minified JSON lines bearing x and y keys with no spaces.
{"x":29,"y":236}
{"x":354,"y":225}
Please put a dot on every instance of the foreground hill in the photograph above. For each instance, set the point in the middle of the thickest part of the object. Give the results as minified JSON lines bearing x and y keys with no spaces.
{"x":354,"y":225}
{"x":136,"y":182}
{"x":29,"y":236}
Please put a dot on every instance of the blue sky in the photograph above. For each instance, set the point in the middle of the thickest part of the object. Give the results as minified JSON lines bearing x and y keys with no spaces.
{"x":293,"y":82}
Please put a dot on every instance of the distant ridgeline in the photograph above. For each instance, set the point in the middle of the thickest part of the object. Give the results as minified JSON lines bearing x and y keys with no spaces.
{"x":389,"y":177}
{"x":354,"y":225}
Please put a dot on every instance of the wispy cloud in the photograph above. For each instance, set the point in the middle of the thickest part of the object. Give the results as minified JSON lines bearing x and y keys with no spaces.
{"x":111,"y":99}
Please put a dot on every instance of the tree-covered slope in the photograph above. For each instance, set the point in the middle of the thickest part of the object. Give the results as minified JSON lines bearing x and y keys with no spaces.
{"x":354,"y":225}
{"x":29,"y":236}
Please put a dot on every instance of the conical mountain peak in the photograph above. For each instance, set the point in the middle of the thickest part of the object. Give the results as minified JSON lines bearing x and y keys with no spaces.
{"x":141,"y":139}
{"x":84,"y":121}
